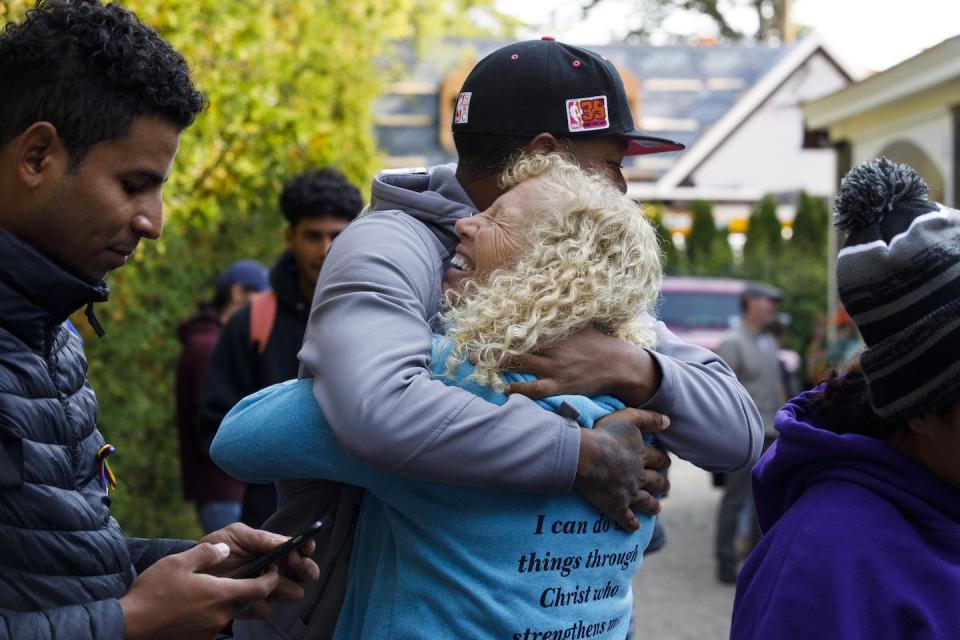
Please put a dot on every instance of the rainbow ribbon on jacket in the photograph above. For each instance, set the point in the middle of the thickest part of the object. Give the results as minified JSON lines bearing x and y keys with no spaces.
{"x":107,"y":480}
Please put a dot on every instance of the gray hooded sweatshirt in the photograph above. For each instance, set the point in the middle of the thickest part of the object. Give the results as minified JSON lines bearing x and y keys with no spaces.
{"x":368,"y":341}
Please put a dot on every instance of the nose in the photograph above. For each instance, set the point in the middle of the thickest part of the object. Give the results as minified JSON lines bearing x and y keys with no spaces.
{"x":325,"y":245}
{"x":465,"y":227}
{"x":148,"y":222}
{"x":620,"y":181}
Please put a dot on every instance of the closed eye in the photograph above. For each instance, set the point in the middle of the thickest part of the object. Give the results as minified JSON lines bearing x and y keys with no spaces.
{"x":133,"y":182}
{"x":133,"y":187}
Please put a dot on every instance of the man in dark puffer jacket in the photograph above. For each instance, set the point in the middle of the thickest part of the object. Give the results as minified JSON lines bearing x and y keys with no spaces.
{"x":91,"y":111}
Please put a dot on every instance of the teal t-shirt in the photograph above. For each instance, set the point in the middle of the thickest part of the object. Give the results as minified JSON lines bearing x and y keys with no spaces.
{"x":432,"y":560}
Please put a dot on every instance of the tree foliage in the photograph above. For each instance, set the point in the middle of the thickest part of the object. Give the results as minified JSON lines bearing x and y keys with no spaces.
{"x":811,"y":224}
{"x":671,"y":257}
{"x":773,"y":17}
{"x":707,"y":250}
{"x":797,"y":267}
{"x":764,"y":238}
{"x":291,"y":83}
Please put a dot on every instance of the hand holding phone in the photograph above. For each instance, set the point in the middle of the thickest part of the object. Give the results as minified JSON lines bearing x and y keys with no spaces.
{"x":260,"y":565}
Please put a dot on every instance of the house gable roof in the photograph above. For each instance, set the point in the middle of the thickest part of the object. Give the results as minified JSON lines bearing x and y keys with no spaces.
{"x":932,"y":67}
{"x":744,"y":107}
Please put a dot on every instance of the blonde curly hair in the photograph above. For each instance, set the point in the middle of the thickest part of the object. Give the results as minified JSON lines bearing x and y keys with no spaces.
{"x":592,"y":259}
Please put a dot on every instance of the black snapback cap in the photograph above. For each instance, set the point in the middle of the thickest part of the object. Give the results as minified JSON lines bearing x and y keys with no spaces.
{"x":545,"y":86}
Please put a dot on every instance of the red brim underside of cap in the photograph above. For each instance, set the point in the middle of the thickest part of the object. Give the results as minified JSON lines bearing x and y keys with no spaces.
{"x":646,"y":145}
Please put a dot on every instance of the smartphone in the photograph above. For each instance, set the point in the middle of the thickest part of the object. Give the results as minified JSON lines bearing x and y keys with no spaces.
{"x":260,"y":565}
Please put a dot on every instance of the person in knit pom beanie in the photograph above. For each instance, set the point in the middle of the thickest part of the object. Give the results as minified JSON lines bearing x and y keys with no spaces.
{"x":859,"y":498}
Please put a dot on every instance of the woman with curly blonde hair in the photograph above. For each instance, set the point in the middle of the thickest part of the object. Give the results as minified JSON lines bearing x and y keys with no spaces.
{"x":591,"y":258}
{"x":561,"y":250}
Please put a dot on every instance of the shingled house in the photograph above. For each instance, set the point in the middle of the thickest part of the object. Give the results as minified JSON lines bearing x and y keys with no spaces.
{"x":909,"y":113}
{"x":735,"y":107}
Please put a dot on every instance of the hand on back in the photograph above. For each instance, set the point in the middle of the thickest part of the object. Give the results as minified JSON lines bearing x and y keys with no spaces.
{"x":618,"y":471}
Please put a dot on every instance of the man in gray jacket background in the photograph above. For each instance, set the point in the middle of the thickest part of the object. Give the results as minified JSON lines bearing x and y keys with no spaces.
{"x":368,"y":339}
{"x":751,"y":350}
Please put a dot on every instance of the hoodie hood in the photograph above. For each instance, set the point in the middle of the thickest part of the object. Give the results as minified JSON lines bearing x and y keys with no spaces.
{"x":806,"y":454}
{"x":435,"y":198}
{"x":199,"y":324}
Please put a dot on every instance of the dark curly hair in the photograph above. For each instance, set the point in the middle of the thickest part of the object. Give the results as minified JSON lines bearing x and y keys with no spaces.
{"x":843,"y":406}
{"x":90,"y":70}
{"x":318,"y":193}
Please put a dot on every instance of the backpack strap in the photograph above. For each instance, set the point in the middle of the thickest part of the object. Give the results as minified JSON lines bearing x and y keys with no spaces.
{"x":313,"y":617}
{"x":263,"y":311}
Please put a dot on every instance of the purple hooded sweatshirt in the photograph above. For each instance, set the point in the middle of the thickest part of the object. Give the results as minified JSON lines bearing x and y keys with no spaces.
{"x":859,"y":541}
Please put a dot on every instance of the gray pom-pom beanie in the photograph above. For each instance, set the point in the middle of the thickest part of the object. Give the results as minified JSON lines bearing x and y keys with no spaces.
{"x":898,"y":276}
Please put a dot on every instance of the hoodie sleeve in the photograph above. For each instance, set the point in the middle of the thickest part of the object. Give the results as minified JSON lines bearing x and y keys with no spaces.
{"x":279,"y":434}
{"x":367,"y":346}
{"x":713,"y":422}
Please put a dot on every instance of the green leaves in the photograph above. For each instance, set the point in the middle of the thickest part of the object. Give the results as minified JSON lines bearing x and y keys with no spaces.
{"x":708,"y":252}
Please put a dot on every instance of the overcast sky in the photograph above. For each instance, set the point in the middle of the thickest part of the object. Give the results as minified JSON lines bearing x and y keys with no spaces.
{"x":869,"y":34}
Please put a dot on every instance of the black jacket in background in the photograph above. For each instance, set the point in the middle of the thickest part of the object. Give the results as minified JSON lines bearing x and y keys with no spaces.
{"x":64,"y":562}
{"x":237,"y":370}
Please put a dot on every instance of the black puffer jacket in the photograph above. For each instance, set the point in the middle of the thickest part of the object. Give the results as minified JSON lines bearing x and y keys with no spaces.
{"x":64,"y":561}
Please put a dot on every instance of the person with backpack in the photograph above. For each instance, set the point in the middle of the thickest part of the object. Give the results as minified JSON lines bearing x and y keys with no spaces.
{"x":217,"y":496}
{"x":259,"y":344}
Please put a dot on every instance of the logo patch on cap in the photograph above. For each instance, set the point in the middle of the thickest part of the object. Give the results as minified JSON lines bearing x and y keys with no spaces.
{"x":587,"y":114}
{"x":462,"y":114}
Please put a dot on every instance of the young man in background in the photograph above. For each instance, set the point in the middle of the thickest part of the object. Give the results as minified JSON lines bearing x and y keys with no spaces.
{"x":259,"y":344}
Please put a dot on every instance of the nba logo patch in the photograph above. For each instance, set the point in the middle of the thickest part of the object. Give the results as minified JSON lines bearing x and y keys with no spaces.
{"x":587,"y":114}
{"x":462,"y":113}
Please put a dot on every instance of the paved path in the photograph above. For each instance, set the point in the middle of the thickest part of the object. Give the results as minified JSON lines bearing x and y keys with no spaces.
{"x":677,"y":594}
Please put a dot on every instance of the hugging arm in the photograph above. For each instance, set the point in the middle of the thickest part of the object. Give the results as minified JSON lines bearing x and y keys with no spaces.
{"x":367,"y":346}
{"x":713,"y":422}
{"x":278,"y":434}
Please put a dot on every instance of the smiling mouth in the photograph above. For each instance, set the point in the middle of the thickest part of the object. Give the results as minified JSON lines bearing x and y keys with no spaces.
{"x":461,"y":263}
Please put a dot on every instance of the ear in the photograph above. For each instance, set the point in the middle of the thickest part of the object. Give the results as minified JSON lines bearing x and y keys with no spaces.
{"x":922,"y":426}
{"x":544,"y":143}
{"x":39,"y":155}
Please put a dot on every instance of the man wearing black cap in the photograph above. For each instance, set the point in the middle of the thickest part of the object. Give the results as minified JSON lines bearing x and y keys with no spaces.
{"x":543,"y":95}
{"x":751,"y":351}
{"x":368,"y":342}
